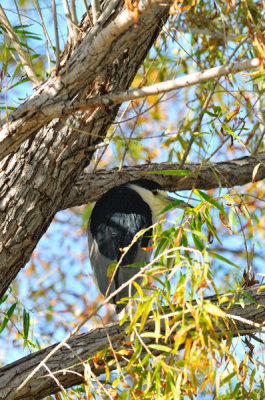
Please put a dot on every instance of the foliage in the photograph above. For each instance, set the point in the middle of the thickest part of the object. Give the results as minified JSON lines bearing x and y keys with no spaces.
{"x":187,"y":351}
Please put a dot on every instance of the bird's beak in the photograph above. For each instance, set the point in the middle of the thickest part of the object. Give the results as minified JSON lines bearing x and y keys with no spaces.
{"x":178,"y":203}
{"x":171,"y":202}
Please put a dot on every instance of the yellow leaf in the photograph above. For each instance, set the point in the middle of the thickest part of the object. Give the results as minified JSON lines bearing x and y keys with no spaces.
{"x":261,"y":288}
{"x":217,"y":312}
{"x":254,"y":173}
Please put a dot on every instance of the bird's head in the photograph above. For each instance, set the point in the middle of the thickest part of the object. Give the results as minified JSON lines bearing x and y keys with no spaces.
{"x":154,"y":195}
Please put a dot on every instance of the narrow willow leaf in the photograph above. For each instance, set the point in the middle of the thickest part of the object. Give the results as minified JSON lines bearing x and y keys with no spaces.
{"x":252,"y":299}
{"x":215,"y":311}
{"x":6,"y":319}
{"x":171,"y":172}
{"x":228,"y":378}
{"x":160,"y":347}
{"x":138,"y":288}
{"x":205,"y":196}
{"x":221,"y":258}
{"x":26,"y":322}
{"x":3,"y":299}
{"x":146,"y":312}
{"x":230,"y":132}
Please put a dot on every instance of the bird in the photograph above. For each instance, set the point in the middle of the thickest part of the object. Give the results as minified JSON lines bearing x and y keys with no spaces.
{"x":116,"y":218}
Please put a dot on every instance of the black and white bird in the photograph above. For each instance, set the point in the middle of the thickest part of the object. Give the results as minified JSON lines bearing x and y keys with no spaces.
{"x":116,"y":218}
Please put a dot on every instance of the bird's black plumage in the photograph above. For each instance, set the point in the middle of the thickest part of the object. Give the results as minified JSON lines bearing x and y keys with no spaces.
{"x":115,"y":219}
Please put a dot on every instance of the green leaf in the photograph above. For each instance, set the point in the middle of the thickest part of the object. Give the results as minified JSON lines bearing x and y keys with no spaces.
{"x":160,"y":347}
{"x":146,"y":312}
{"x":174,"y":204}
{"x":7,"y":108}
{"x":3,"y":299}
{"x":205,"y":196}
{"x":157,"y":326}
{"x":210,"y":226}
{"x":138,"y":288}
{"x":248,"y":296}
{"x":230,"y":132}
{"x":26,"y":322}
{"x":18,"y":83}
{"x":221,"y":258}
{"x":171,"y":172}
{"x":111,"y":269}
{"x":199,"y":245}
{"x":6,"y":319}
{"x":228,"y":378}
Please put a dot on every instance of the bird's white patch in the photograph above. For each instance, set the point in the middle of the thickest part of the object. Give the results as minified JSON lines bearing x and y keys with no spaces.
{"x":156,"y":201}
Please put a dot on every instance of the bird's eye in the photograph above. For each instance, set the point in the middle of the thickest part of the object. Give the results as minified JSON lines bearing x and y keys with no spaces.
{"x":155,"y":192}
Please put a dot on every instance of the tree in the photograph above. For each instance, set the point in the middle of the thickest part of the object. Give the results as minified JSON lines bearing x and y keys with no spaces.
{"x":47,"y":142}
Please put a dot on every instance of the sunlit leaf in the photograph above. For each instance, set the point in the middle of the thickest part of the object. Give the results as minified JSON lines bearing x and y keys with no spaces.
{"x":214,"y":310}
{"x":177,"y":172}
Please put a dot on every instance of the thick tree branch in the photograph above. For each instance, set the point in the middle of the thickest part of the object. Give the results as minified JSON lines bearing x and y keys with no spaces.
{"x":82,"y":66}
{"x":167,"y":86}
{"x":237,"y":172}
{"x":68,"y":364}
{"x":57,"y":109}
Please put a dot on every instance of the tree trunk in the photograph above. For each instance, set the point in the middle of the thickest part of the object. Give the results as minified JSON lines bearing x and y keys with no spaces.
{"x":37,"y":177}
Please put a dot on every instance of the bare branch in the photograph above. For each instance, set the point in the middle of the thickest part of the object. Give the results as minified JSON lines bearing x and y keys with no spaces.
{"x":14,"y":132}
{"x":73,"y":9}
{"x":57,"y":54}
{"x":70,"y":22}
{"x":91,"y":186}
{"x":167,"y":86}
{"x":232,"y":37}
{"x":46,"y":35}
{"x":24,"y":58}
{"x":95,"y":5}
{"x":88,"y":14}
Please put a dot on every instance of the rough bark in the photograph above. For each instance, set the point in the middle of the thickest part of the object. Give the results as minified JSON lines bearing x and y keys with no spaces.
{"x":68,"y":363}
{"x":231,"y":173}
{"x":96,"y":62}
{"x":38,"y":176}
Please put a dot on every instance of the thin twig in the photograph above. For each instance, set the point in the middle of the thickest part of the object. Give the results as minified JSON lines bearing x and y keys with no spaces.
{"x":261,"y":122}
{"x":73,"y":9}
{"x":232,"y":37}
{"x":24,"y":58}
{"x":95,"y":5}
{"x":205,"y":106}
{"x":88,"y":14}
{"x":57,"y":52}
{"x":246,"y":321}
{"x":198,"y":124}
{"x":70,"y":22}
{"x":46,"y":35}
